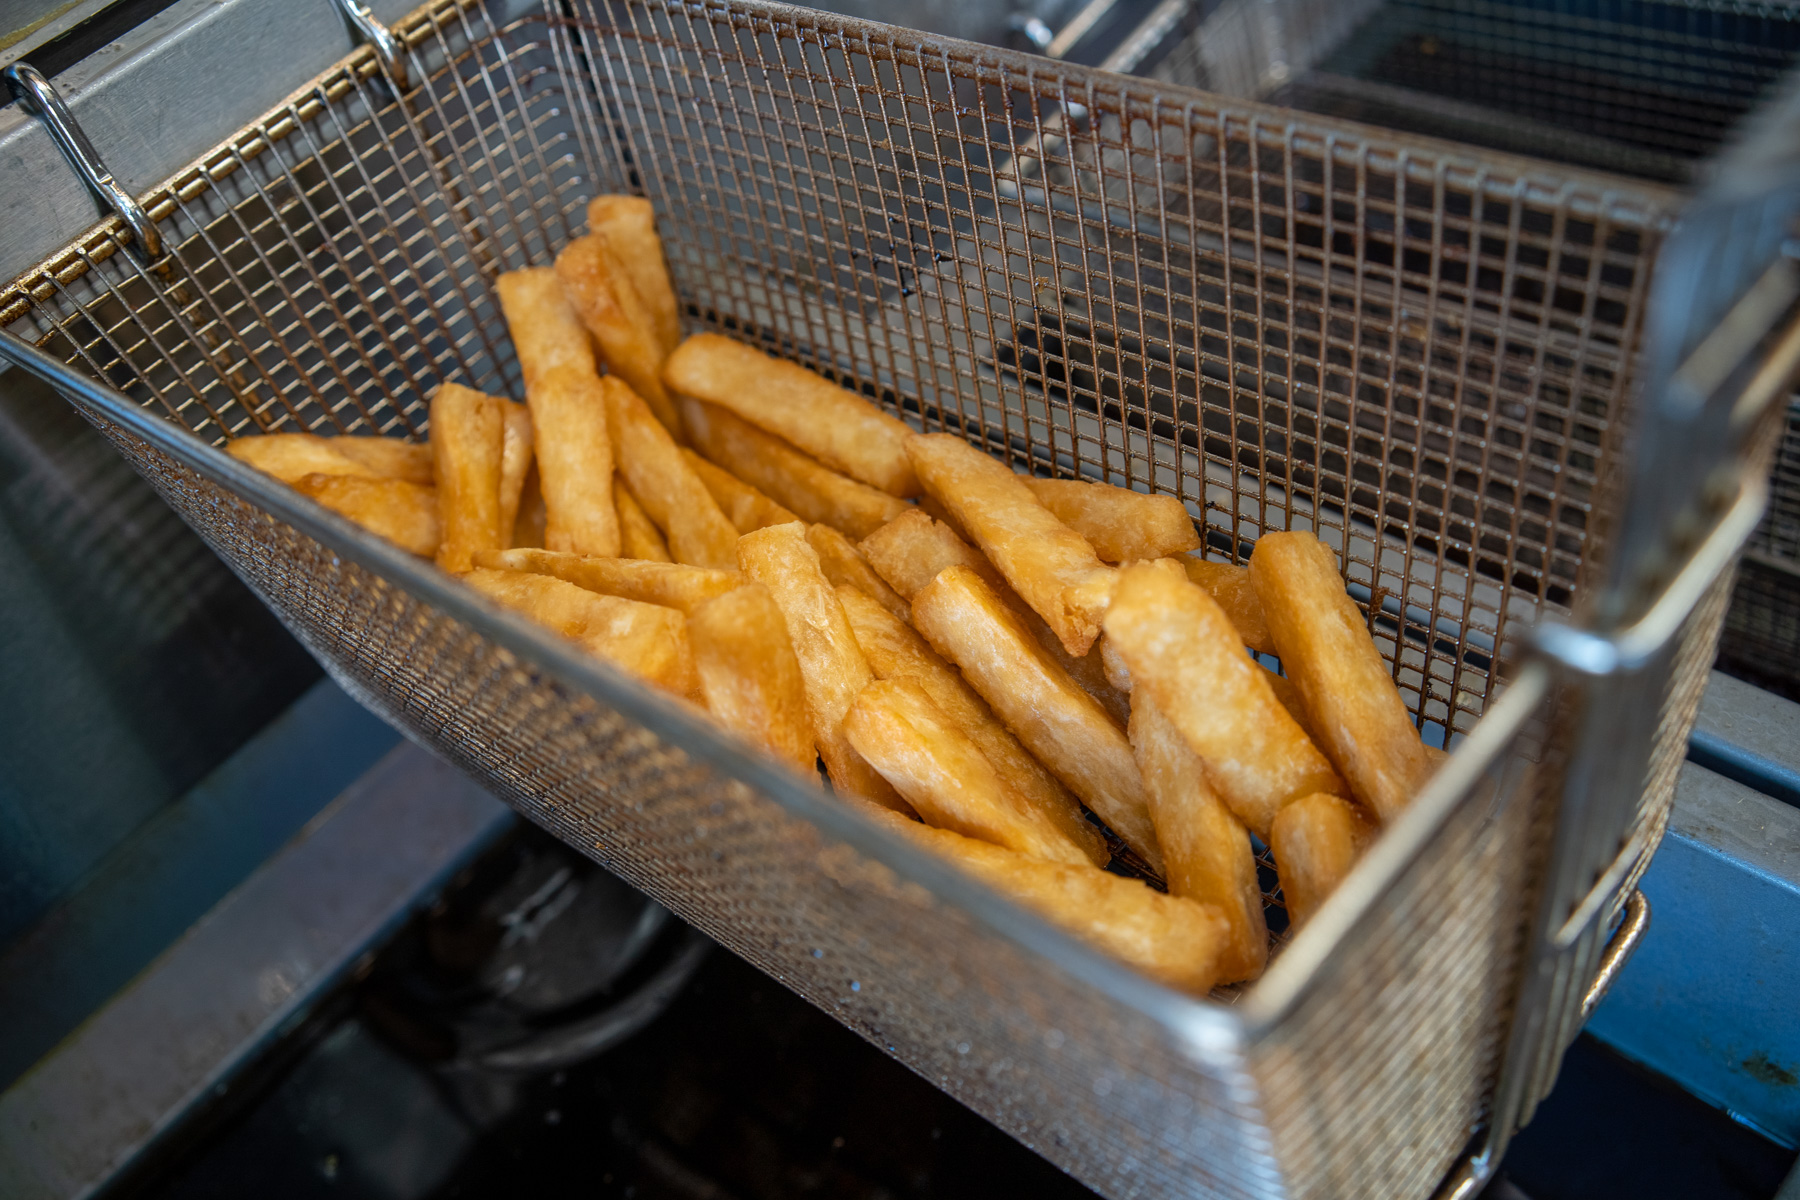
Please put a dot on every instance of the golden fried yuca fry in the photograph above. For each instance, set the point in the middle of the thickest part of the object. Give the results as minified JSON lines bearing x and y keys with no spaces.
{"x":1068,"y":731}
{"x":1231,"y":589}
{"x":1049,"y":565}
{"x":910,"y":550}
{"x":596,"y":284}
{"x":749,"y":676}
{"x":832,"y":424}
{"x":1206,"y":848}
{"x":1290,"y":699}
{"x":468,"y":440}
{"x":938,"y":512}
{"x":1118,"y":675}
{"x":946,"y":778}
{"x":515,"y":464}
{"x":528,"y":526}
{"x":389,"y":457}
{"x":1169,"y":939}
{"x":743,"y":505}
{"x":844,"y":565}
{"x":831,"y":663}
{"x":672,"y":585}
{"x":1122,"y":525}
{"x":1316,"y":840}
{"x":574,"y":460}
{"x":647,"y":640}
{"x":1088,"y":670}
{"x":894,"y":651}
{"x":811,"y":490}
{"x":638,"y":535}
{"x":629,"y":224}
{"x":661,"y":480}
{"x":290,"y":456}
{"x":1181,"y":647}
{"x":1112,"y":663}
{"x":547,"y":332}
{"x":1326,"y":650}
{"x":406,"y":514}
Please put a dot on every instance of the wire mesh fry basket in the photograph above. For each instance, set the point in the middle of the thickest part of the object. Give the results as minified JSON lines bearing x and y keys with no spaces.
{"x":1424,"y":353}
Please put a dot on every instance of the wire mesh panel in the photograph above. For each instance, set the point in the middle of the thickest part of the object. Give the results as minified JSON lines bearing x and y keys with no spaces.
{"x":1761,"y":642}
{"x":1649,"y":88}
{"x":1422,"y":354}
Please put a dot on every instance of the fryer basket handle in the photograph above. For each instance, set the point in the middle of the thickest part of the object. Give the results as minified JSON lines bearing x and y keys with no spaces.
{"x":37,"y":96}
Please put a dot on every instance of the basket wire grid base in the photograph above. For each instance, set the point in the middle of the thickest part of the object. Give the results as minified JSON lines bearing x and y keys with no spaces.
{"x":1286,"y":323}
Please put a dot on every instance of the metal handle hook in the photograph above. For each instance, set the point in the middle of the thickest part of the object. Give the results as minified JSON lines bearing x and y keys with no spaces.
{"x":387,"y":47}
{"x":36,"y":95}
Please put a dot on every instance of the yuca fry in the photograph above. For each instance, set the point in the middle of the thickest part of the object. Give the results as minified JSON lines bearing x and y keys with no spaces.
{"x":1118,"y":675}
{"x":743,"y":505}
{"x":547,"y":332}
{"x":575,"y":461}
{"x":1169,"y":939}
{"x":844,"y":565}
{"x":1049,"y":565}
{"x":832,"y":665}
{"x":1231,"y":589}
{"x":638,"y":535}
{"x":629,"y":223}
{"x":468,"y":439}
{"x":388,"y":457}
{"x":834,"y":425}
{"x":406,"y":514}
{"x":1207,"y":849}
{"x":516,"y":442}
{"x":1316,"y":840}
{"x":1182,"y":648}
{"x":910,"y":550}
{"x":938,"y":512}
{"x":749,"y":676}
{"x":946,"y":778}
{"x":895,"y":651}
{"x":647,"y":640}
{"x":568,"y":412}
{"x":811,"y":490}
{"x":1122,"y":525}
{"x":596,"y":284}
{"x":1290,"y":699}
{"x":672,"y":585}
{"x":1088,"y":670}
{"x":1068,"y":731}
{"x":291,"y":456}
{"x":1112,"y":663}
{"x":528,"y":527}
{"x":1326,"y":650}
{"x":660,"y":479}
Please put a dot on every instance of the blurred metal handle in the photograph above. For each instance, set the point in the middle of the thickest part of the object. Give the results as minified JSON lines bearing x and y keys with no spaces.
{"x":388,"y":48}
{"x":36,"y":95}
{"x":1624,"y":944}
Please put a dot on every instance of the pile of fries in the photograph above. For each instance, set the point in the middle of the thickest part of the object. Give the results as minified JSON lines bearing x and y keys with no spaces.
{"x":1001,"y":667}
